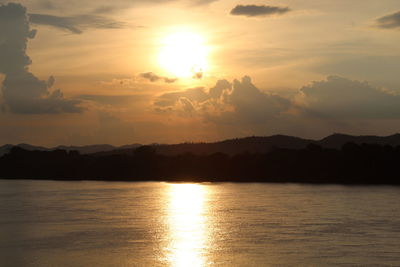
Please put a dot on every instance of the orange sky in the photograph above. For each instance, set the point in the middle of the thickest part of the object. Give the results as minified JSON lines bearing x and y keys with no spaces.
{"x":192,"y":70}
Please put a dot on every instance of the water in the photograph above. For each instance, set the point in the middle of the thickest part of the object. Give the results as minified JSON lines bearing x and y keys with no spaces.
{"x":48,"y":223}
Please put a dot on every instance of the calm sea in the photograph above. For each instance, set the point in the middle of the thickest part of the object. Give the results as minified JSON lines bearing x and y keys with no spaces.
{"x":49,"y":223}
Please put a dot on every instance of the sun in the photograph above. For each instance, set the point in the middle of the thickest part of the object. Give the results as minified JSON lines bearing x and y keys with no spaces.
{"x":184,"y":54}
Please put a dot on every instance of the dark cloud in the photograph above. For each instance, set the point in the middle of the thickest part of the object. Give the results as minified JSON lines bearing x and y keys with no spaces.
{"x":391,"y":21}
{"x":22,"y":91}
{"x":152,"y":77}
{"x":341,"y":98}
{"x":258,"y":10}
{"x":76,"y":24}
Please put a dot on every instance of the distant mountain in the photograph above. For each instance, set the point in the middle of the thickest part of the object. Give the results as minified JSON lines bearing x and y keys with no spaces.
{"x":87,"y":149}
{"x":82,"y":149}
{"x":265,"y":144}
{"x":338,"y":140}
{"x":253,"y":144}
{"x":31,"y":147}
{"x":5,"y":149}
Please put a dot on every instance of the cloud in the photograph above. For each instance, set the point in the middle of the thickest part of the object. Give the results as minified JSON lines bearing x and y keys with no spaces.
{"x":219,"y":88}
{"x":391,"y":21}
{"x":152,"y":77}
{"x":239,"y":100}
{"x":193,"y":95}
{"x":250,"y":102}
{"x":75,"y":24}
{"x":240,"y":108}
{"x":342,"y":98}
{"x":258,"y":10}
{"x":22,"y":91}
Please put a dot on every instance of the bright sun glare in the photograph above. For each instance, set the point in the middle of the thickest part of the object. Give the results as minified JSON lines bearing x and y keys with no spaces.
{"x":188,"y":224}
{"x":184,"y":54}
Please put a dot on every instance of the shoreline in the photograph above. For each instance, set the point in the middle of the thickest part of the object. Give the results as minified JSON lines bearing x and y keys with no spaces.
{"x":178,"y":181}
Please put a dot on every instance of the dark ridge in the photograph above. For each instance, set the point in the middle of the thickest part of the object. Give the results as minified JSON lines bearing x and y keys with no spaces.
{"x":262,"y":144}
{"x":89,"y":149}
{"x":337,"y":140}
{"x":253,"y":144}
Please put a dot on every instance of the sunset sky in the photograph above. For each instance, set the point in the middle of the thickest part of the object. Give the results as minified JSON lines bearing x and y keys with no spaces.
{"x":166,"y":71}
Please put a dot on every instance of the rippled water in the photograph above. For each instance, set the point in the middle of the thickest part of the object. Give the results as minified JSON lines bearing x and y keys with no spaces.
{"x":48,"y":223}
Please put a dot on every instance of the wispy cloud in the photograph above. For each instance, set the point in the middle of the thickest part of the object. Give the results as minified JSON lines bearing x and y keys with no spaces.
{"x":258,"y":10}
{"x":76,"y":24}
{"x":152,"y":77}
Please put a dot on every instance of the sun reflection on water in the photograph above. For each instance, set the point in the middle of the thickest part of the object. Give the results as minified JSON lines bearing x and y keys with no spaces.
{"x":187,"y":225}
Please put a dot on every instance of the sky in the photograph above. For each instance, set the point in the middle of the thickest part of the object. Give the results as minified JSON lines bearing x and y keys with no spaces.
{"x":168,"y":71}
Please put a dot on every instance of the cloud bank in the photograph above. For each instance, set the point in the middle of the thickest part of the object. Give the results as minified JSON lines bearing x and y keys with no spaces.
{"x":343,"y":99}
{"x":22,"y":91}
{"x":333,"y":100}
{"x":240,"y":101}
{"x":258,"y":10}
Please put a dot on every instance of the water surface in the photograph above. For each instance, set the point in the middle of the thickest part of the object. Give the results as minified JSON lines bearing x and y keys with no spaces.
{"x":49,"y":223}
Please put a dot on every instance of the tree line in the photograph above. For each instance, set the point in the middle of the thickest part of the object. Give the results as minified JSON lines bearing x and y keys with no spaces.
{"x":352,"y":164}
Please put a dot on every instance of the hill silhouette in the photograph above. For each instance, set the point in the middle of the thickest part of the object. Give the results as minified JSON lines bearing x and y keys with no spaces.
{"x":89,"y":149}
{"x":338,"y":140}
{"x":261,"y":144}
{"x":253,"y":144}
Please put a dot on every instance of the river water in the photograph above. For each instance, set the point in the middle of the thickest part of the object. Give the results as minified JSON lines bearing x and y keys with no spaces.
{"x":49,"y":223}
